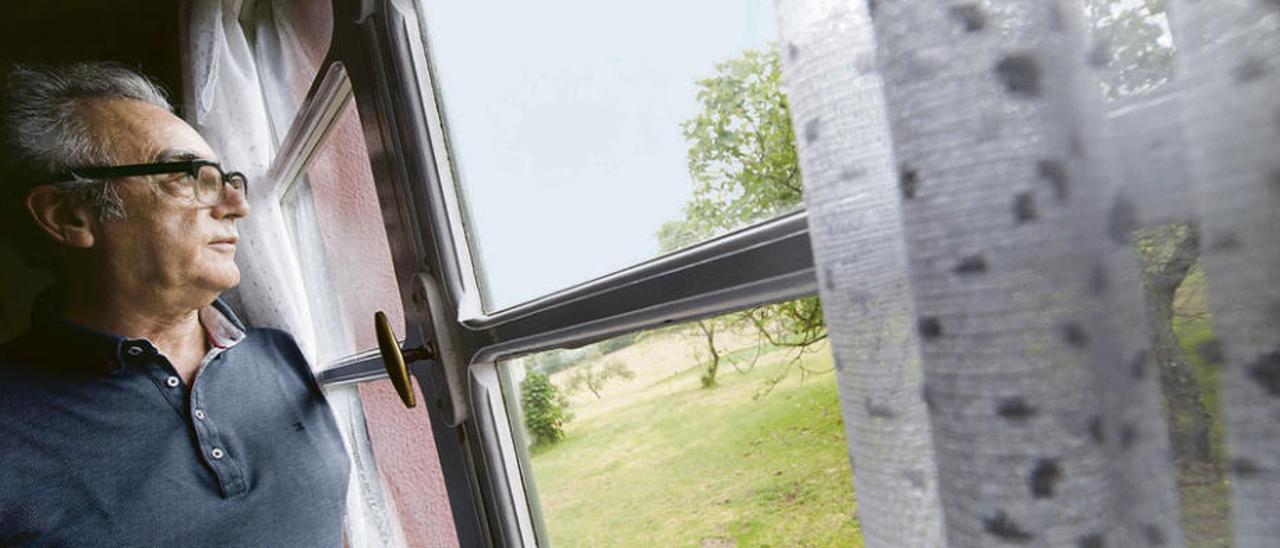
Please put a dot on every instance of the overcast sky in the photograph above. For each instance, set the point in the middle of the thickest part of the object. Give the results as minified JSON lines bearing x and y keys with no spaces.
{"x":565,"y":123}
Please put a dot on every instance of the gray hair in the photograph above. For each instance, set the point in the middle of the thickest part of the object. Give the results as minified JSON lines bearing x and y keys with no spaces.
{"x":44,"y":134}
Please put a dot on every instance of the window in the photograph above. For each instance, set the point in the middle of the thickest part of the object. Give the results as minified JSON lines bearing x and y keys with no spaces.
{"x":758,"y":258}
{"x":333,"y":216}
{"x":585,"y":138}
{"x":955,"y":307}
{"x":402,"y":104}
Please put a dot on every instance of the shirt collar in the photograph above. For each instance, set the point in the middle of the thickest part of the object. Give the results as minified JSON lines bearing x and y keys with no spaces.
{"x":64,"y":346}
{"x":221,"y":325}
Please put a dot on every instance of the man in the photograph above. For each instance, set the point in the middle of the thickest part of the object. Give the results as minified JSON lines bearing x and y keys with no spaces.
{"x":138,"y":411}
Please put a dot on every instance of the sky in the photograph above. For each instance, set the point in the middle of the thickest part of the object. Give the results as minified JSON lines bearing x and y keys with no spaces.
{"x":564,"y":122}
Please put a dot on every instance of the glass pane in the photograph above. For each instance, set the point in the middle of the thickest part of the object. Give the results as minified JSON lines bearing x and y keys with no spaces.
{"x":586,"y":137}
{"x":336,"y":224}
{"x":1132,"y":44}
{"x":1183,"y":346}
{"x":703,"y":434}
{"x":291,"y":40}
{"x":335,"y":220}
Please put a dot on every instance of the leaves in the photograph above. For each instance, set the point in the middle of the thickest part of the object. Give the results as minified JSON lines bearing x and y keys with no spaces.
{"x":743,"y":162}
{"x":546,"y":409}
{"x":594,"y":378}
{"x":742,"y":155}
{"x":1136,"y":37}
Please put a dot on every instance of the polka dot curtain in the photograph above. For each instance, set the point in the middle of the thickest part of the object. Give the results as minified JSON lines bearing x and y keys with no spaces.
{"x":980,"y":217}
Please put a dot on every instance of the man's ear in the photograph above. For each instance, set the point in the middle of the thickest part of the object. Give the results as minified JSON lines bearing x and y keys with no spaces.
{"x":64,"y":221}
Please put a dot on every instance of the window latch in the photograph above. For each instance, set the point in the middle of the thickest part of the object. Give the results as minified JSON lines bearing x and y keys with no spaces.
{"x":394,"y":359}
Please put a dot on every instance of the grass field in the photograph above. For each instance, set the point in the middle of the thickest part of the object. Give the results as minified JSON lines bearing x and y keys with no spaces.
{"x":659,"y":461}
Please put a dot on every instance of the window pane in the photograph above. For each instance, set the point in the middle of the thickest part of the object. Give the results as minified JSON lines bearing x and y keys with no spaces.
{"x":586,"y":137}
{"x":335,"y":220}
{"x":291,"y":40}
{"x":336,"y":223}
{"x":1132,"y":39}
{"x":700,"y":434}
{"x":1187,"y":355}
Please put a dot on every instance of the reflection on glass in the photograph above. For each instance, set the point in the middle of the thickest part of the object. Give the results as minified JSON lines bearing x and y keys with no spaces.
{"x":335,"y":221}
{"x":1131,"y":44}
{"x":291,"y":40}
{"x":722,"y":432}
{"x":1188,"y":358}
{"x":586,"y":137}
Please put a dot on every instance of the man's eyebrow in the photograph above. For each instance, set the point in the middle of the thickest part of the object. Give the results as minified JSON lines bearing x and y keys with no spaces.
{"x":178,"y":155}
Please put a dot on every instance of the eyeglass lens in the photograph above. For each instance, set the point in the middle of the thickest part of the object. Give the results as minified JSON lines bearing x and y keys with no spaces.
{"x":209,"y":184}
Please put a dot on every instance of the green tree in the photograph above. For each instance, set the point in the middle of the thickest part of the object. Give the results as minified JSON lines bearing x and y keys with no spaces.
{"x":546,"y":409}
{"x":1168,"y":254}
{"x":742,"y":159}
{"x":742,"y":150}
{"x":708,"y":329}
{"x":595,"y":377}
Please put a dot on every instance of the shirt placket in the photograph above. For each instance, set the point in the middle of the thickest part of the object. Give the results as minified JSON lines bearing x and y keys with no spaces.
{"x":189,"y":404}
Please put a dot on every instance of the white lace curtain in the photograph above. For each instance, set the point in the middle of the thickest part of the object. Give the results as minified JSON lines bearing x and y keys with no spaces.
{"x":972,"y":207}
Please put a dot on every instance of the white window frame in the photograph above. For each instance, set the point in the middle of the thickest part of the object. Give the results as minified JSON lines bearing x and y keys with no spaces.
{"x":382,"y":45}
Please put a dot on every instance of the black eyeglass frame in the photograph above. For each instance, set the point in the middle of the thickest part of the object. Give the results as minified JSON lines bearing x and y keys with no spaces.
{"x":190,"y":167}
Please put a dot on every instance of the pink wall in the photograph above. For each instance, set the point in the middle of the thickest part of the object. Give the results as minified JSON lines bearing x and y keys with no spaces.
{"x":361,"y":270}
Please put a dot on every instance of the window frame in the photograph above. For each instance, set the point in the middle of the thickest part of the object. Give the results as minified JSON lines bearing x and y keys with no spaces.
{"x":380,"y":48}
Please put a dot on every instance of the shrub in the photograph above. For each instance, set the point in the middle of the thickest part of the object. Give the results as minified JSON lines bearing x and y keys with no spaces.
{"x":546,"y":409}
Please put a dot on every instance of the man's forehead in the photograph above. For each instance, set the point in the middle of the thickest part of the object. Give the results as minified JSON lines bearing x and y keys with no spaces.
{"x":142,"y":132}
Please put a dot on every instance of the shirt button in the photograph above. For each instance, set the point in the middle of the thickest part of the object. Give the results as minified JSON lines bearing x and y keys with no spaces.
{"x":173,"y":382}
{"x":216,"y":453}
{"x":134,"y":351}
{"x":200,"y":414}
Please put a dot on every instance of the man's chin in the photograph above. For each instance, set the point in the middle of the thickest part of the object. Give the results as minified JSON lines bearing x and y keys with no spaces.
{"x":233,"y":279}
{"x":224,"y":279}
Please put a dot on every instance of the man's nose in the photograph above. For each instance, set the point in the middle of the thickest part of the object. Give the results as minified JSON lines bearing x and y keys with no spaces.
{"x":235,"y":203}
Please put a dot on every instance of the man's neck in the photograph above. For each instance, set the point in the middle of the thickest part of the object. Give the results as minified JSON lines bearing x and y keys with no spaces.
{"x":172,"y":327}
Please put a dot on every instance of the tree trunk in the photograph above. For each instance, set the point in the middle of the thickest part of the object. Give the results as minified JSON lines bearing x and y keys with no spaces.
{"x":1188,"y":419}
{"x":709,"y":376}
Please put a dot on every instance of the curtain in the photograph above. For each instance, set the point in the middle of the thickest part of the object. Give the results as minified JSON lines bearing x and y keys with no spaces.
{"x":239,"y":114}
{"x":985,"y":225}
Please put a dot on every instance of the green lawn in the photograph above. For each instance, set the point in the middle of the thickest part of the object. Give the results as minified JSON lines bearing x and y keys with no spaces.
{"x":677,"y":465}
{"x":658,"y":461}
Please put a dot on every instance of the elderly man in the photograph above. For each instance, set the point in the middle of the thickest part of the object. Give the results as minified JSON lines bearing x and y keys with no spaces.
{"x":138,"y":410}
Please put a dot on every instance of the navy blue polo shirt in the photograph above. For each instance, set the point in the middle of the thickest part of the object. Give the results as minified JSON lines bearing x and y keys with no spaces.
{"x":102,"y":444}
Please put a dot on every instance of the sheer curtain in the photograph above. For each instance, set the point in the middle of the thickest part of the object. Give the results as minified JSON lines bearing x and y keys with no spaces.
{"x":982,"y":227}
{"x":228,"y":104}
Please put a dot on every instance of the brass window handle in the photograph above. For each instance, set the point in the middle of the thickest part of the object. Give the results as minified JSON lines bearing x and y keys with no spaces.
{"x":394,"y":361}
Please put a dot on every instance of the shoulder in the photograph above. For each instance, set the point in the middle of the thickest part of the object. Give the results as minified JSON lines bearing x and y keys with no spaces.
{"x":273,"y":338}
{"x":278,"y":348}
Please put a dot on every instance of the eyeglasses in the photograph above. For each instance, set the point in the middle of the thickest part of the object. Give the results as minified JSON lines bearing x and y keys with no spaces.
{"x":208,"y":181}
